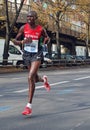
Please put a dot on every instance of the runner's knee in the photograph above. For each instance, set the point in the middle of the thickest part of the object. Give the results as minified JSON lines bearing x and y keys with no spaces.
{"x":31,"y":77}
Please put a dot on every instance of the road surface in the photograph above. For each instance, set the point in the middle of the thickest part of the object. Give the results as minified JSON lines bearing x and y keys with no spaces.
{"x":65,"y":107}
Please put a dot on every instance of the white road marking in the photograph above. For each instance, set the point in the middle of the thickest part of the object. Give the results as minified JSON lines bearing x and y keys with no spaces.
{"x":78,"y":125}
{"x":38,"y":87}
{"x":59,"y":83}
{"x":82,"y":78}
{"x":21,"y":91}
{"x":18,"y":78}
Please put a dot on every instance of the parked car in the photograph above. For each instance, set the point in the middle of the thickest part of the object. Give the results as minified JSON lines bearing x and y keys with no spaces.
{"x":65,"y":58}
{"x":79,"y":60}
{"x":14,"y":54}
{"x":46,"y":62}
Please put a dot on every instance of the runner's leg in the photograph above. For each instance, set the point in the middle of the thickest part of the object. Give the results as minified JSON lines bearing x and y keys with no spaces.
{"x":31,"y":78}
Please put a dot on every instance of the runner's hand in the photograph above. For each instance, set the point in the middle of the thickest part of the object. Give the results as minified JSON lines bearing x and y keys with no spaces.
{"x":27,"y":40}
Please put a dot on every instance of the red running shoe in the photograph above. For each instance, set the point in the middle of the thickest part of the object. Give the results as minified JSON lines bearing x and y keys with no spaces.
{"x":46,"y":84}
{"x":27,"y":111}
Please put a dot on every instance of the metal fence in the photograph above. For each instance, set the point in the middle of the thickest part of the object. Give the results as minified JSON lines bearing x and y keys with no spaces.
{"x":55,"y":62}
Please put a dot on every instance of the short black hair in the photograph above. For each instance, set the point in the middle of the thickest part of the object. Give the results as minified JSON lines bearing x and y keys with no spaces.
{"x":32,"y":13}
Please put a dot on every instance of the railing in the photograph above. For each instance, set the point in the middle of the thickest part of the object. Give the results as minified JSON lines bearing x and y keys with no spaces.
{"x":55,"y":62}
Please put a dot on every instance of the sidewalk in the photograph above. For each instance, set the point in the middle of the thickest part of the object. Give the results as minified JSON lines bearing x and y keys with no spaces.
{"x":10,"y":69}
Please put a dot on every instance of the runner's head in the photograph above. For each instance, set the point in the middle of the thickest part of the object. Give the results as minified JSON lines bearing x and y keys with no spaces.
{"x":31,"y":17}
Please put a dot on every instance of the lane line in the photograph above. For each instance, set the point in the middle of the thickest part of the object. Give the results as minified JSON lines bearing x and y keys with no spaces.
{"x":21,"y":91}
{"x":59,"y":83}
{"x":19,"y":78}
{"x":53,"y":84}
{"x":5,"y":108}
{"x":38,"y":87}
{"x":82,"y":78}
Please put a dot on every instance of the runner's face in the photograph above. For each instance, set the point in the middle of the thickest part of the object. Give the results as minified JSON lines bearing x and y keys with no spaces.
{"x":31,"y":19}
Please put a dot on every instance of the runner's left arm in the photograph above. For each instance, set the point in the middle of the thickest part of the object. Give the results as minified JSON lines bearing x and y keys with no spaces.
{"x":46,"y":37}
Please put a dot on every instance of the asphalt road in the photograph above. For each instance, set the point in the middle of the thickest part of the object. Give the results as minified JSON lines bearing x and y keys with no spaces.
{"x":65,"y":107}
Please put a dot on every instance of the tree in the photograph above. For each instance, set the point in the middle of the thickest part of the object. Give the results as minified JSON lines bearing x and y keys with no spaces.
{"x":84,"y":8}
{"x":10,"y":26}
{"x":52,"y":11}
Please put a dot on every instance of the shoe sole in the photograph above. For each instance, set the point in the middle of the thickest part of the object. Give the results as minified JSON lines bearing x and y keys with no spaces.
{"x":27,"y":114}
{"x":48,"y":89}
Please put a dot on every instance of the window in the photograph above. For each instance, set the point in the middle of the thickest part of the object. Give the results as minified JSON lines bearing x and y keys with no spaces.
{"x":14,"y":50}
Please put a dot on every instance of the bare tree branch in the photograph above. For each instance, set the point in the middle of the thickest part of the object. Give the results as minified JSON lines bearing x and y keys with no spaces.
{"x":16,"y":5}
{"x":16,"y":17}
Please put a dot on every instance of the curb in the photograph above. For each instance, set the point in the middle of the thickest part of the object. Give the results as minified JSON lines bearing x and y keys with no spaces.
{"x":9,"y":69}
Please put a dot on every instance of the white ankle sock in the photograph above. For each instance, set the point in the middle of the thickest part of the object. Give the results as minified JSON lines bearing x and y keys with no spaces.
{"x":45,"y":78}
{"x":29,"y":105}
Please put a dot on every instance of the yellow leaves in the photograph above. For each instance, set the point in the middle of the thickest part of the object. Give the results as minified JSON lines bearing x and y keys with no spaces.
{"x":2,"y":25}
{"x":15,"y":29}
{"x":83,"y":36}
{"x":52,"y":7}
{"x":84,"y":7}
{"x":42,"y":13}
{"x":2,"y":18}
{"x":66,"y":12}
{"x":83,"y":2}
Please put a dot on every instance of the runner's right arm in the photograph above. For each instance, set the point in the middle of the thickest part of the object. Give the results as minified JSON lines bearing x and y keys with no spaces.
{"x":25,"y":40}
{"x":20,"y":32}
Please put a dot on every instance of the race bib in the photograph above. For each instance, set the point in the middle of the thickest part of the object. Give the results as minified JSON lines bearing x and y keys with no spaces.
{"x":31,"y":47}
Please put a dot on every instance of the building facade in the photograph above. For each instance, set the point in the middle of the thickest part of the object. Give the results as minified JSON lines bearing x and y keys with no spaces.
{"x":72,"y":29}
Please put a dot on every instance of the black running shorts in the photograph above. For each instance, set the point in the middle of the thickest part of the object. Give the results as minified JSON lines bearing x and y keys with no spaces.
{"x":29,"y":57}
